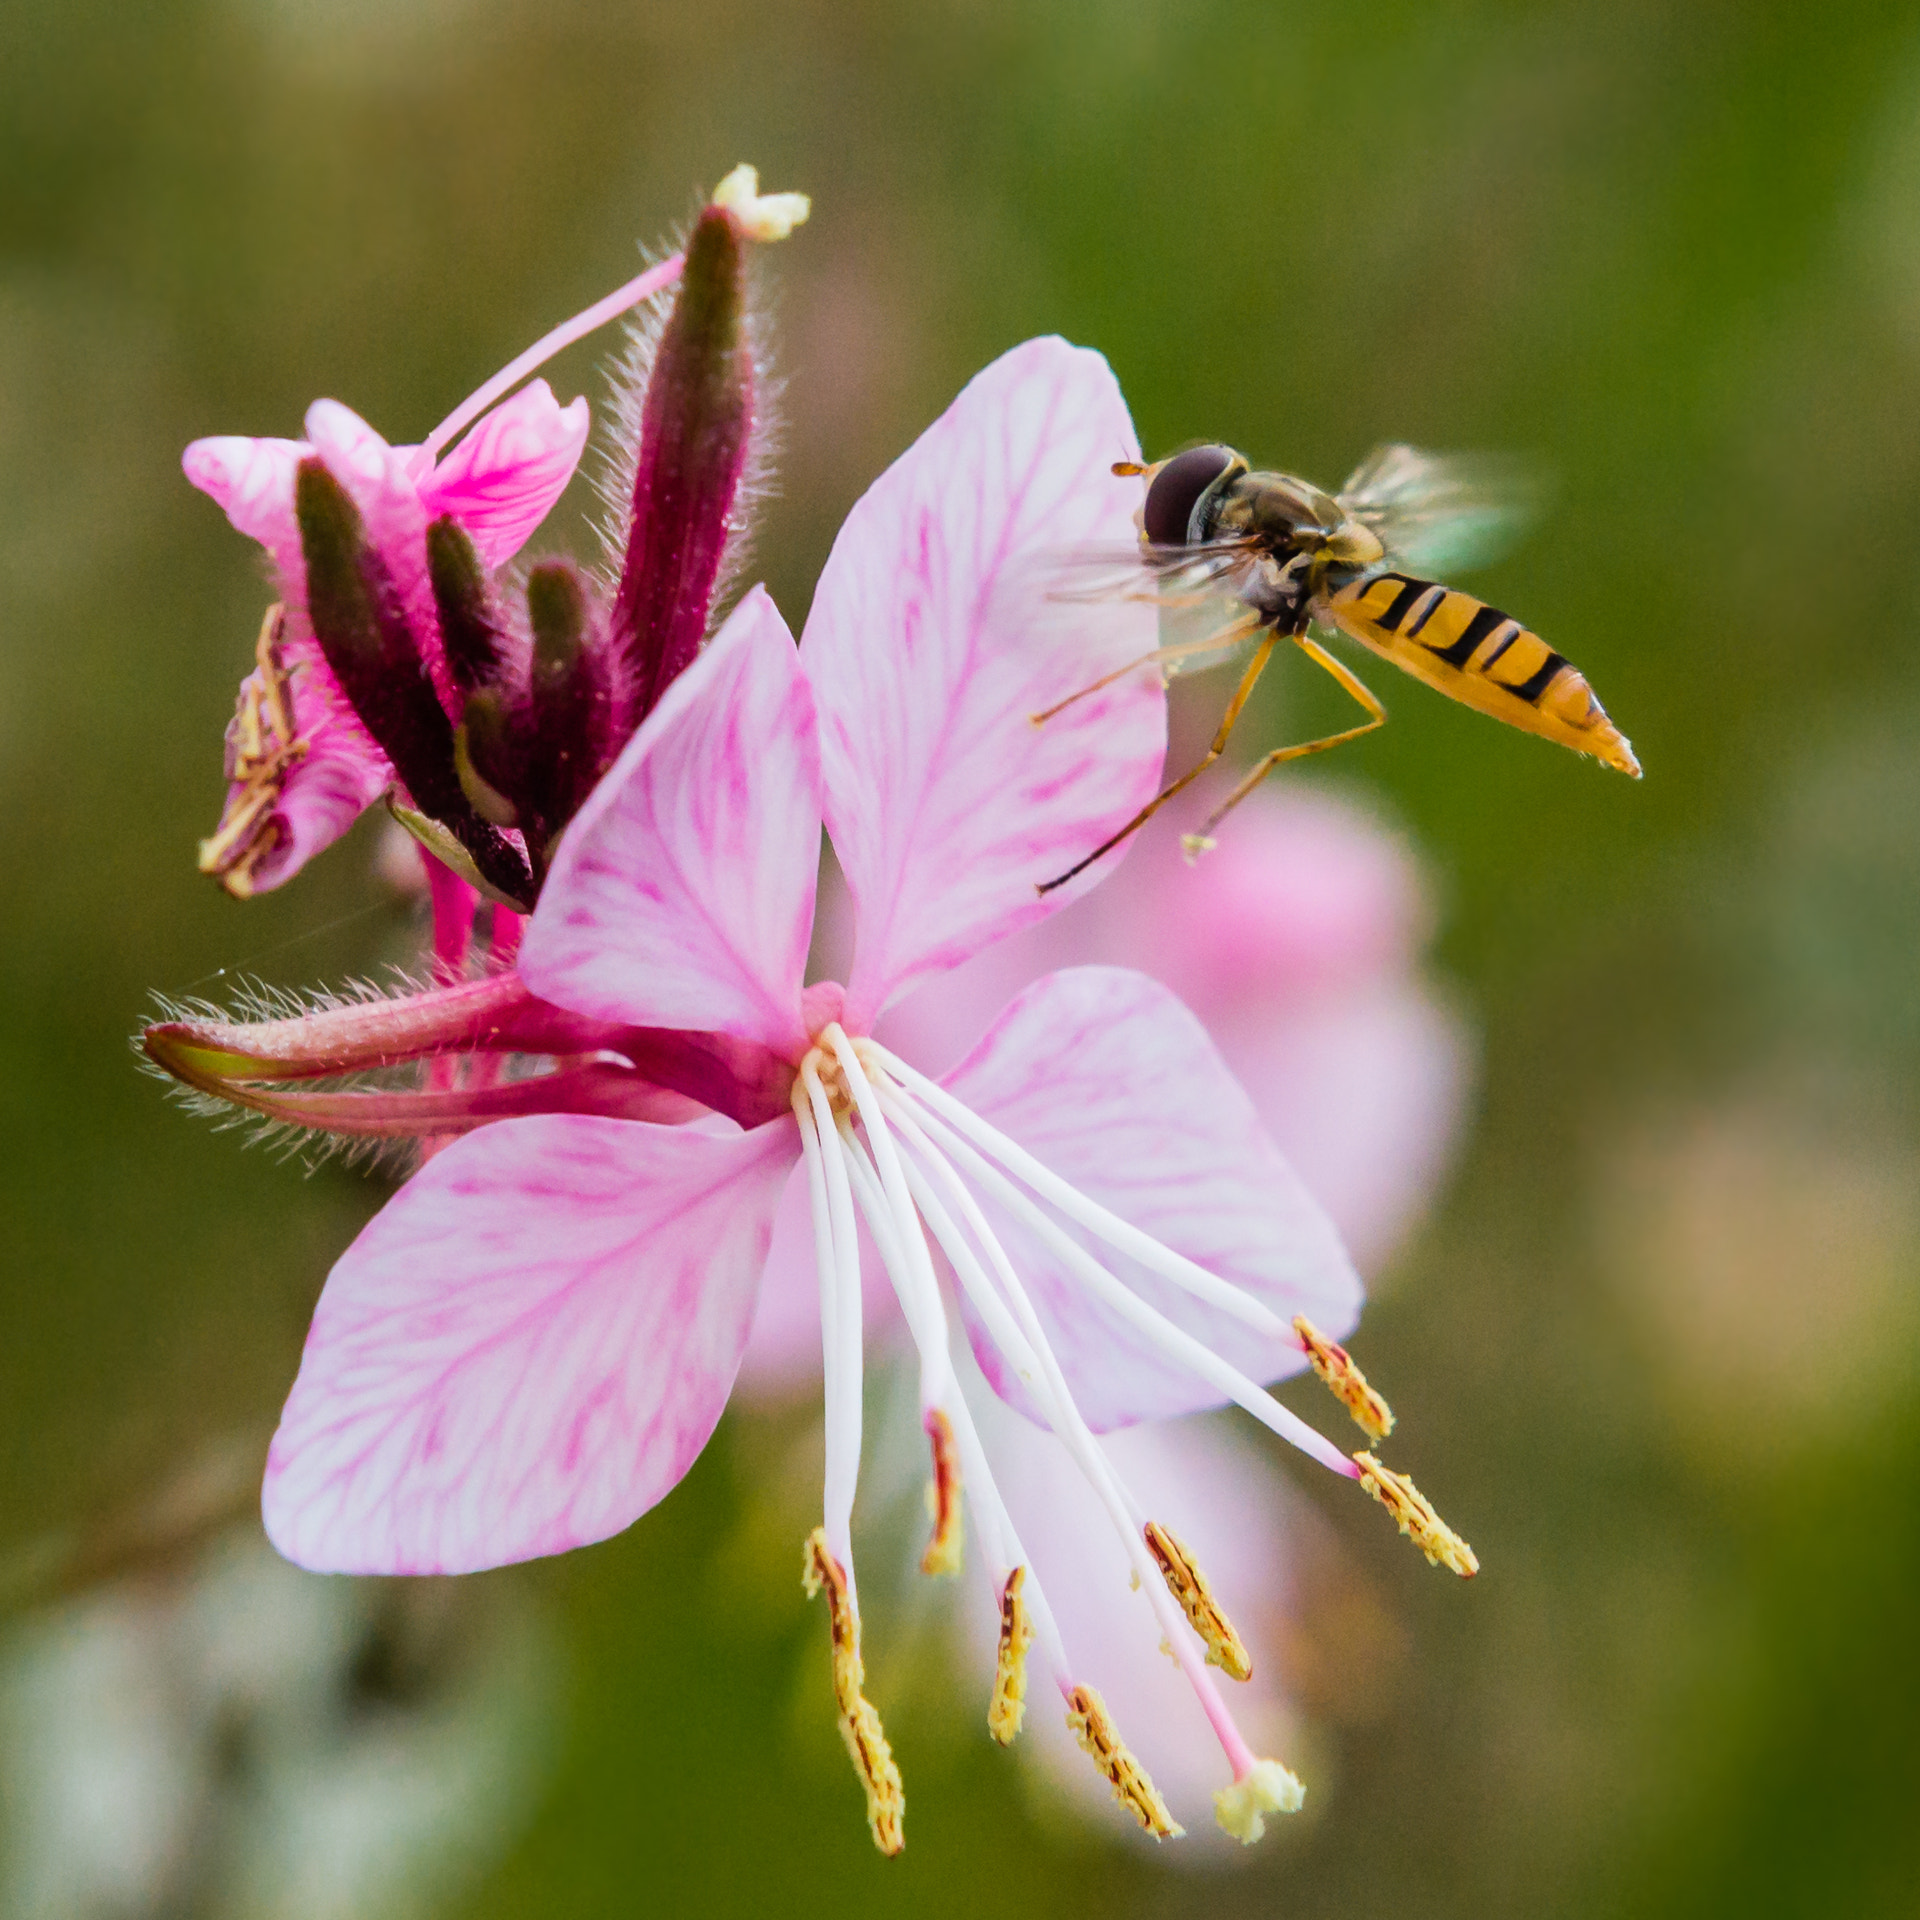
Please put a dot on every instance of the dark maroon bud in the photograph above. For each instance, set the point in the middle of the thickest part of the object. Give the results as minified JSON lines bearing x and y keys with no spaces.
{"x":694,"y":434}
{"x":470,"y":629}
{"x":362,"y":629}
{"x":569,"y":708}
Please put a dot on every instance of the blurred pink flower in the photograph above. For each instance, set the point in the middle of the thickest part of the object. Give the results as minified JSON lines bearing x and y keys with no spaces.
{"x":533,"y":1341}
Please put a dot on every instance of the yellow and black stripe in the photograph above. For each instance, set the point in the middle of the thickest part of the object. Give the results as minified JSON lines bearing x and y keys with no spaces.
{"x":1479,"y":656}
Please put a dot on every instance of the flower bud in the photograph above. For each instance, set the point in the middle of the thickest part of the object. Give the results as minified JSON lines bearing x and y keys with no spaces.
{"x":695,"y":430}
{"x":361,"y":627}
{"x":569,"y":703}
{"x":470,"y":630}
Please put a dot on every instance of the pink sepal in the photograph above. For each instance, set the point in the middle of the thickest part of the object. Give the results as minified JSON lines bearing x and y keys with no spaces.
{"x":527,"y":1348}
{"x":1106,"y":1079}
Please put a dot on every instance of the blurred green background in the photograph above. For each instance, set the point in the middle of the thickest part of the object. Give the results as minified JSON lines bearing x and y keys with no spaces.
{"x":1660,"y":1346}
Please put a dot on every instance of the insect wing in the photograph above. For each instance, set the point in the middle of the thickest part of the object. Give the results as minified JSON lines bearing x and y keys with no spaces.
{"x":1154,"y":576}
{"x":1196,"y":591}
{"x":1439,"y":513}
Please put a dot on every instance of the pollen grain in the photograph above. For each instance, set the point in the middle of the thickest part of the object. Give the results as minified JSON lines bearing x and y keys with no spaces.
{"x":859,"y":1723}
{"x":1414,"y":1514}
{"x":1090,"y":1723}
{"x":943,"y":1498}
{"x":1188,"y":1585}
{"x":1007,"y":1711}
{"x":1334,"y":1365}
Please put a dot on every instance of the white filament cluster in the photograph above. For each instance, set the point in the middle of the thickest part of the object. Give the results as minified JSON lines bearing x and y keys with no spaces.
{"x":885,"y":1143}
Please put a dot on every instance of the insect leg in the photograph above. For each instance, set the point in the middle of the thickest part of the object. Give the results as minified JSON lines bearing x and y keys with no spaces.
{"x":1226,"y":637}
{"x":1241,"y":695}
{"x":1201,"y":841}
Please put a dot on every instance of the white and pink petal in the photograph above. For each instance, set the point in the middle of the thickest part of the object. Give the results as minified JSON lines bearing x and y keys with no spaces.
{"x":1104,"y":1077}
{"x":527,"y":1348}
{"x":682,"y":894}
{"x":251,"y":481}
{"x":946,"y":804}
{"x":504,"y":476}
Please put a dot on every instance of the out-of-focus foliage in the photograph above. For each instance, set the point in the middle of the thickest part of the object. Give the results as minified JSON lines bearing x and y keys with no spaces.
{"x":1660,"y":1352}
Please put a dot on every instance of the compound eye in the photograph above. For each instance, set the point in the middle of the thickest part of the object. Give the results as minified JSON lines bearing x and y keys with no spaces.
{"x":1176,"y":489}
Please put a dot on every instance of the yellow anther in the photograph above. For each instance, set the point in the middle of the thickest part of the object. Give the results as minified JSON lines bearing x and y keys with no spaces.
{"x":859,"y":1723}
{"x":1008,"y":1709}
{"x":1334,"y":1365}
{"x":762,"y":216}
{"x":1269,"y":1787}
{"x":261,"y":752}
{"x":1414,"y":1513}
{"x":943,"y":1498}
{"x":1090,"y":1723}
{"x":1188,"y":1585}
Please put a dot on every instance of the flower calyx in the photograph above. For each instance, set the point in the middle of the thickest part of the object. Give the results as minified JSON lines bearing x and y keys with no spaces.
{"x":443,"y":1061}
{"x":405,"y":664}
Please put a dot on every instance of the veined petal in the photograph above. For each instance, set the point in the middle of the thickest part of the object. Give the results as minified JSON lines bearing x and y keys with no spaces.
{"x":300,"y":766}
{"x":251,"y":481}
{"x":947,"y":805}
{"x":502,"y":480}
{"x":1105,"y":1078}
{"x":682,"y":894}
{"x":527,"y":1348}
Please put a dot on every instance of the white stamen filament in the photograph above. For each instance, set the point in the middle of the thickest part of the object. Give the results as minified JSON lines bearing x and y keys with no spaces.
{"x":1186,"y":1274}
{"x":1170,"y":1337}
{"x":903,"y":1188}
{"x":999,"y":1539}
{"x":641,"y":287}
{"x":1027,"y":1346}
{"x":840,"y":1315}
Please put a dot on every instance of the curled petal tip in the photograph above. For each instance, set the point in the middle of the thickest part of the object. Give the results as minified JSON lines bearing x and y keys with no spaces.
{"x":762,"y":216}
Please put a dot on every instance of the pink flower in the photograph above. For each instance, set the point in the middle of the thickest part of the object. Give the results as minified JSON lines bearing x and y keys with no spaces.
{"x":533,"y":1341}
{"x":394,"y":663}
{"x":315,"y":768}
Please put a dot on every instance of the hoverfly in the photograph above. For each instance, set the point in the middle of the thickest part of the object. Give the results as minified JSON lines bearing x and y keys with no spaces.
{"x":1241,"y":558}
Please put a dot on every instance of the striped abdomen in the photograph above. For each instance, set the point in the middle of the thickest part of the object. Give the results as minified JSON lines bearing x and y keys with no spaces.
{"x":1480,"y":656}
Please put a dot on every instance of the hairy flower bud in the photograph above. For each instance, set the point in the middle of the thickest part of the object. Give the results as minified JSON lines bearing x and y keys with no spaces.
{"x":470,"y":629}
{"x":695,"y":431}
